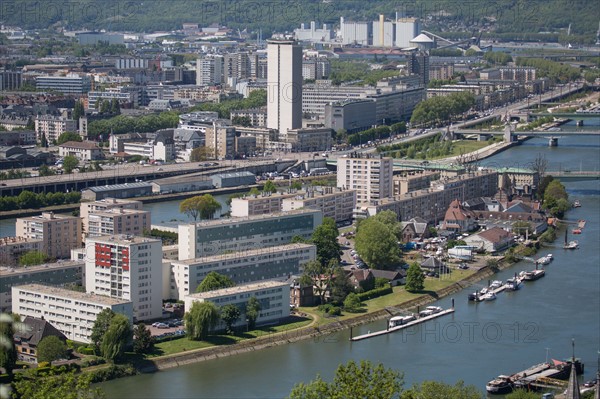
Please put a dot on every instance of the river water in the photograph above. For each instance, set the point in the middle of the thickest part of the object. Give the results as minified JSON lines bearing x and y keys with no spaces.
{"x":475,"y":344}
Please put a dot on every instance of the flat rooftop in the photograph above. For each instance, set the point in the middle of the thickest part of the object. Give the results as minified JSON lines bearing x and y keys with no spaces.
{"x":113,"y":187}
{"x":239,"y":289}
{"x":71,"y":294}
{"x":6,"y":271}
{"x":122,"y":239}
{"x":244,"y":254}
{"x":253,"y":218}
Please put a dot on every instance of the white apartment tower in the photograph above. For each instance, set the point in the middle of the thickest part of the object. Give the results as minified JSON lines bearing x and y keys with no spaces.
{"x":209,"y":70}
{"x":370,"y":177}
{"x":284,"y":91}
{"x":128,"y":268}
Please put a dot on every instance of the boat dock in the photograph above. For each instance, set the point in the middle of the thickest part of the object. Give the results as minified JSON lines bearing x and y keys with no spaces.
{"x":401,"y":327}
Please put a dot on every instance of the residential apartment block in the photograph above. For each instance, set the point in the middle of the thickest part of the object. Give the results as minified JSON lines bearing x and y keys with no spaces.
{"x":104,"y":205}
{"x":274,"y":298}
{"x":220,"y":141}
{"x":431,"y":204}
{"x":370,"y":177}
{"x":242,"y":267}
{"x":71,"y":312}
{"x":11,"y":249}
{"x":118,"y":221}
{"x":84,"y":151}
{"x":413,"y":181}
{"x":70,"y":84}
{"x":262,"y":204}
{"x":335,"y":203}
{"x":58,"y":233}
{"x":128,"y":268}
{"x":57,"y":274}
{"x":213,"y":237}
{"x":53,"y":126}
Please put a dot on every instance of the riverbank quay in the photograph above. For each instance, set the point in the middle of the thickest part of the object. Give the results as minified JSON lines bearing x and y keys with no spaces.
{"x":319,"y":331}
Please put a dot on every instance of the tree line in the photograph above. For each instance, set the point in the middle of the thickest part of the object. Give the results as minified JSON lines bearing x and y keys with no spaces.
{"x":555,"y":71}
{"x":376,"y":133}
{"x":126,"y":124}
{"x":441,"y":109}
{"x":30,"y":200}
{"x":257,"y":98}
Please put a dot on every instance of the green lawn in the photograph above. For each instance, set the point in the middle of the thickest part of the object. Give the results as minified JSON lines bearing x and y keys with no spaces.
{"x":466,"y":146}
{"x":186,"y":344}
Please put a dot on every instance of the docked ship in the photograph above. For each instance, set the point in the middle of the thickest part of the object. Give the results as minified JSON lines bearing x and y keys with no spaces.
{"x":533,"y":275}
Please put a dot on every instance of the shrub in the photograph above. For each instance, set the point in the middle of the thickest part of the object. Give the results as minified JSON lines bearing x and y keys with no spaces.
{"x":377,"y":292}
{"x":335,"y":311}
{"x":43,"y":364}
{"x":86,"y":350}
{"x":112,"y":372}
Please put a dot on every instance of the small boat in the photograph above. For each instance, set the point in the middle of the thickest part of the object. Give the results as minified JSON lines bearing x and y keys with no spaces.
{"x":544,"y":260}
{"x":434,"y":309}
{"x":400,"y":320}
{"x":474,"y":296}
{"x":513,"y":284}
{"x":576,"y":231}
{"x":490,"y":296}
{"x":533,"y":275}
{"x":576,"y":204}
{"x":500,"y":385}
{"x":550,"y":256}
{"x":483,"y":291}
{"x":573,"y":244}
{"x":496,"y":284}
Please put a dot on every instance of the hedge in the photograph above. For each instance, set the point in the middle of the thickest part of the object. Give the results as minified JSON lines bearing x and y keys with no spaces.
{"x":377,"y":292}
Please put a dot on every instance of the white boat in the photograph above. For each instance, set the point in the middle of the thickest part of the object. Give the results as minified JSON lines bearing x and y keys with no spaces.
{"x":513,"y":284}
{"x":434,"y":309}
{"x":483,"y":291}
{"x":496,"y":284}
{"x":550,"y":256}
{"x":573,"y":244}
{"x":400,"y":320}
{"x":490,"y":296}
{"x":544,"y":260}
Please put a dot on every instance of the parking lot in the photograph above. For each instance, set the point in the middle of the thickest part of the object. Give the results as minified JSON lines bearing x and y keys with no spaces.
{"x":164,"y":331}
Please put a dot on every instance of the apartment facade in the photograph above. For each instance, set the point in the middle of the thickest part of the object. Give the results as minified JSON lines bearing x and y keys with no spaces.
{"x":71,"y":312}
{"x":284,"y":91}
{"x":242,"y":267}
{"x":213,"y":237}
{"x":335,"y":203}
{"x":53,"y":126}
{"x":11,"y":249}
{"x":431,"y":203}
{"x":220,"y":141}
{"x":413,"y":181}
{"x":128,"y":268}
{"x":273,"y":296}
{"x":58,"y":233}
{"x":71,"y":84}
{"x":118,"y":221}
{"x":262,"y":204}
{"x":84,"y":151}
{"x":104,"y":205}
{"x":370,"y":177}
{"x":57,"y":274}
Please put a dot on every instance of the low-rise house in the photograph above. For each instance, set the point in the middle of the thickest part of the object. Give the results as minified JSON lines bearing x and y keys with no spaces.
{"x":415,"y":229}
{"x":459,"y":219}
{"x":302,"y":295}
{"x":28,"y":339}
{"x":491,"y":240}
{"x":433,"y":264}
{"x":394,"y":277}
{"x":362,"y":279}
{"x":84,"y":150}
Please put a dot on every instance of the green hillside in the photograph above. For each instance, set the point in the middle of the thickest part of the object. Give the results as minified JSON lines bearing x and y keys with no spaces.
{"x":513,"y":16}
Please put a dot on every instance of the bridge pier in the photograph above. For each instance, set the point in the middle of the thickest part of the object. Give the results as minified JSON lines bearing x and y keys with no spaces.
{"x":553,"y":142}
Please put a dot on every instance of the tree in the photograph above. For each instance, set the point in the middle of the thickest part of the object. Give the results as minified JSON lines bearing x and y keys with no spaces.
{"x":31,"y":258}
{"x":68,"y":136}
{"x":325,"y":238}
{"x":522,"y":394}
{"x":390,"y":219}
{"x":104,"y":106}
{"x":78,"y":111}
{"x":64,"y":386}
{"x":352,"y":303}
{"x":253,"y":309}
{"x":101,"y":326}
{"x":43,"y":141}
{"x":269,"y":187}
{"x":27,"y":199}
{"x":214,"y":281}
{"x":377,"y":245}
{"x":117,"y":336}
{"x":51,"y":348}
{"x":318,"y":276}
{"x":45,"y":171}
{"x":143,"y":341}
{"x":296,"y":185}
{"x":540,"y":165}
{"x":200,"y":154}
{"x":201,"y":317}
{"x":435,"y":390}
{"x":203,"y":206}
{"x":354,"y":381}
{"x":415,"y":280}
{"x":230,"y":314}
{"x":340,"y":283}
{"x":115,"y":107}
{"x":8,"y":351}
{"x":70,"y":163}
{"x":543,"y":184}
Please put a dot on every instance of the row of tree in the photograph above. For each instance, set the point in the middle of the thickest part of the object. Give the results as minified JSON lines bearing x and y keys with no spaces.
{"x":557,"y":72}
{"x":257,"y":98}
{"x":30,"y":200}
{"x":442,"y":109}
{"x":126,"y":124}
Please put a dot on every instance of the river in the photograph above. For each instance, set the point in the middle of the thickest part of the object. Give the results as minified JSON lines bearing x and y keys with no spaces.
{"x":475,"y":344}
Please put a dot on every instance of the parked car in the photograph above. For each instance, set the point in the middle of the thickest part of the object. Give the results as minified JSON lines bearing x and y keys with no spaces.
{"x":162,"y":325}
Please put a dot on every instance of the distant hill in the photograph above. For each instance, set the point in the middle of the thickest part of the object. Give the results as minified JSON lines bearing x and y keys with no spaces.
{"x":516,"y":16}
